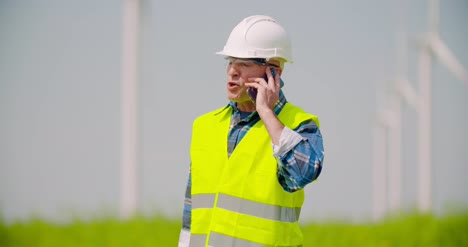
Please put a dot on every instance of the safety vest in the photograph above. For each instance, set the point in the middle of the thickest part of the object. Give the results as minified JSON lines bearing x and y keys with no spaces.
{"x":237,"y":201}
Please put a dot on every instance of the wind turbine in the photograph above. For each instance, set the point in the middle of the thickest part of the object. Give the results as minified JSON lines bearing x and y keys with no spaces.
{"x":389,"y":121}
{"x":431,"y":46}
{"x":387,"y":169}
{"x":129,"y":107}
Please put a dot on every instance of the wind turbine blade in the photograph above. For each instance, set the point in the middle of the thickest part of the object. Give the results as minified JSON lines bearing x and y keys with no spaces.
{"x":408,"y":92}
{"x":446,"y":56}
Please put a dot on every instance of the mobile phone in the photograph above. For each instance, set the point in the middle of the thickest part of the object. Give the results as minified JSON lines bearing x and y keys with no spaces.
{"x":252,"y":92}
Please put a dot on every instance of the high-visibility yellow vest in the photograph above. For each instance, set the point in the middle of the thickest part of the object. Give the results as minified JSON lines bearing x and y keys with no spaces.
{"x":237,"y":200}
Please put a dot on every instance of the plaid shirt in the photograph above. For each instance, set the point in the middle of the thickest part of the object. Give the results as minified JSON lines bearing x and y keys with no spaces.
{"x":296,"y":168}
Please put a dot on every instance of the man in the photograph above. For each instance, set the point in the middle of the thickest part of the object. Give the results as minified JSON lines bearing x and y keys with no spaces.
{"x":251,"y":159}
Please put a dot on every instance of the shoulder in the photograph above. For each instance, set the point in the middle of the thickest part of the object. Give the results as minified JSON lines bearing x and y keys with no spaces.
{"x":213,"y":114}
{"x":295,"y":115}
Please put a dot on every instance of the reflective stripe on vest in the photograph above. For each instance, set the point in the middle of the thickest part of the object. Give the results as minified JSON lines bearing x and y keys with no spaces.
{"x":220,"y":240}
{"x":243,"y":206}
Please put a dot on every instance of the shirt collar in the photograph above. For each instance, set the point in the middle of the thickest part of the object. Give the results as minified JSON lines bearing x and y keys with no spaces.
{"x":277,"y":108}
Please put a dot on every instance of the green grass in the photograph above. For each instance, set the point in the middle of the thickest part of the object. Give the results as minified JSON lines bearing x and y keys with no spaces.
{"x":138,"y":231}
{"x":408,"y":230}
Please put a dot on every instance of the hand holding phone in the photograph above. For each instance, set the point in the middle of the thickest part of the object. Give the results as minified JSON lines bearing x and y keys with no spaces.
{"x":252,"y":92}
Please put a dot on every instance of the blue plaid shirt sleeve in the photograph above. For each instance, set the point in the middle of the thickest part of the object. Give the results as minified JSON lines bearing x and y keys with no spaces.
{"x":303,"y":163}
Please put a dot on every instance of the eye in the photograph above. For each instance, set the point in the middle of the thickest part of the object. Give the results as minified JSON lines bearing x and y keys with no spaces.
{"x":245,"y":64}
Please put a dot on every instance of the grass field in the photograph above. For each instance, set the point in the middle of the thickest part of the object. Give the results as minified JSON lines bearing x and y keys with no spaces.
{"x":408,"y":230}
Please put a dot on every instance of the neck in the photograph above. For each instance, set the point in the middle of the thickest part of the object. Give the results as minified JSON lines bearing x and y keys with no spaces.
{"x":247,"y":106}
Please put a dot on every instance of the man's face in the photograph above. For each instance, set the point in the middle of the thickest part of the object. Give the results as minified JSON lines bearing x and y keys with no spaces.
{"x":238,"y":72}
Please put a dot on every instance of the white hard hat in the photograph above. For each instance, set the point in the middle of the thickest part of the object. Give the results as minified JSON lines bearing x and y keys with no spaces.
{"x":258,"y":36}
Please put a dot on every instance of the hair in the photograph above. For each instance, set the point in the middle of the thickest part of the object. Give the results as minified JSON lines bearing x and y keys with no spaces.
{"x":279,"y":60}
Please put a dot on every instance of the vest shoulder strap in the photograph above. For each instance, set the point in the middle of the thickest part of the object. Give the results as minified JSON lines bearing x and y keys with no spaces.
{"x":292,"y":116}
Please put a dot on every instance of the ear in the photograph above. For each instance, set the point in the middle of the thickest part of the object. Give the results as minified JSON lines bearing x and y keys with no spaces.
{"x":279,"y":71}
{"x":278,"y":62}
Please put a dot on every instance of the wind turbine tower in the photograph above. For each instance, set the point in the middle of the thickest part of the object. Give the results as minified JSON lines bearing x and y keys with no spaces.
{"x":129,"y":106}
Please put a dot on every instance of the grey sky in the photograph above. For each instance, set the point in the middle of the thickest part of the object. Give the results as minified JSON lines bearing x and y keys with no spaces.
{"x":60,"y":99}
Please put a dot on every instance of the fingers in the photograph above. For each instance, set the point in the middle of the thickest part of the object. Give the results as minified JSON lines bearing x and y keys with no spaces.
{"x":268,"y":88}
{"x":270,"y":81}
{"x":273,"y":81}
{"x":277,"y":81}
{"x":256,"y":82}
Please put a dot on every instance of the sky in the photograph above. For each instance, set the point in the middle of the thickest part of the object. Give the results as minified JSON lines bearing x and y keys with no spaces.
{"x":60,"y":126}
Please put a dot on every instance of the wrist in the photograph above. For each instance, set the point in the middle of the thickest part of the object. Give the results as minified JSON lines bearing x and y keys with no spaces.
{"x":265,"y":111}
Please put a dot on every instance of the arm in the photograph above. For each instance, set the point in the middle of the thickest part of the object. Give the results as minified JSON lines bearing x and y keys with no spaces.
{"x":184,"y":237}
{"x":300,"y":152}
{"x":272,"y":124}
{"x":300,"y":155}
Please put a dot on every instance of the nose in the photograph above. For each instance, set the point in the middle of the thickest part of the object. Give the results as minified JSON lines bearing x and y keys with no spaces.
{"x":233,"y":73}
